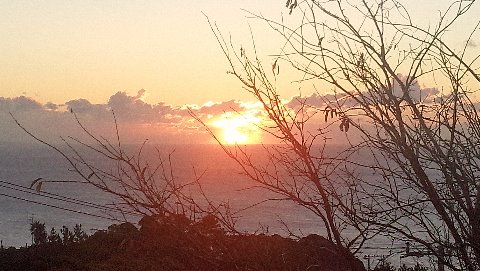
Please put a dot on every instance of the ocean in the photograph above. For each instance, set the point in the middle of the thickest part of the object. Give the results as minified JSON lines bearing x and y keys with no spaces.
{"x":222,"y":179}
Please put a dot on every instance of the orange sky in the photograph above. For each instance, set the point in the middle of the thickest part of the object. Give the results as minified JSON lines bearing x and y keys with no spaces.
{"x":106,"y":51}
{"x":60,"y":50}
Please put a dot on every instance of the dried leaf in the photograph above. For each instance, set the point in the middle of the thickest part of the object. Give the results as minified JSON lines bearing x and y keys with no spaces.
{"x":34,"y":182}
{"x":38,"y":188}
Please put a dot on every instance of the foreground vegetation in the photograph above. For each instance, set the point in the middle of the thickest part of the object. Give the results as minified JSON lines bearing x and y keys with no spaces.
{"x":170,"y":242}
{"x":174,"y":242}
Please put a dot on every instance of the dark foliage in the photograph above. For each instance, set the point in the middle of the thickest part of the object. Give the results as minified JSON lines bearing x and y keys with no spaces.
{"x":417,"y":267}
{"x":384,"y":266}
{"x":174,"y":242}
{"x":387,"y":266}
{"x":54,"y":237}
{"x":38,"y":232}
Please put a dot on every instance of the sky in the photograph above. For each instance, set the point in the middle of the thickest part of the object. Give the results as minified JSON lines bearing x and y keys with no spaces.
{"x":55,"y":51}
{"x":146,"y":56}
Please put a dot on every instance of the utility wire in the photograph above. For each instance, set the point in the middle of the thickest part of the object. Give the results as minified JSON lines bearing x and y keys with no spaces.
{"x":63,"y":198}
{"x":24,"y":189}
{"x":61,"y":208}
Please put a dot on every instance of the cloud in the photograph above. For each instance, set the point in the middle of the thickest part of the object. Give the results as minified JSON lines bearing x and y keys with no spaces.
{"x":136,"y":118}
{"x":318,"y":101}
{"x":139,"y":120}
{"x":51,"y":106}
{"x":132,"y":108}
{"x":83,"y":106}
{"x":127,"y":108}
{"x":140,"y":94}
{"x":19,"y":104}
{"x":417,"y":92}
{"x":222,"y":107}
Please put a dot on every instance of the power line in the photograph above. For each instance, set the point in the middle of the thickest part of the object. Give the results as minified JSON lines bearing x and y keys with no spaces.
{"x":61,"y":208}
{"x":24,"y":189}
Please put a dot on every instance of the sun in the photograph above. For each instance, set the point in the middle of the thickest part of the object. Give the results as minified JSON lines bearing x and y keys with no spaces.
{"x":238,"y":129}
{"x":233,"y":136}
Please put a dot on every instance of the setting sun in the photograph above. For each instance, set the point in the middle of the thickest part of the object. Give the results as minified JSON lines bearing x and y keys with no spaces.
{"x":238,"y":129}
{"x":233,"y":136}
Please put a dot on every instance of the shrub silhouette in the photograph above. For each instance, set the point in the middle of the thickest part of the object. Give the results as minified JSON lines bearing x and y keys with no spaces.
{"x":38,"y":232}
{"x":173,"y":242}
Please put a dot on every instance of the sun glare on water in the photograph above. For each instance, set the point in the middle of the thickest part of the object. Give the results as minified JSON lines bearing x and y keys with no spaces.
{"x":238,"y":129}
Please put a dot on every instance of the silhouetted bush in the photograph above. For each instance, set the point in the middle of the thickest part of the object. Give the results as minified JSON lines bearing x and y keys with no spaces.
{"x":54,"y":237}
{"x":173,"y":242}
{"x":38,"y":232}
{"x":384,"y":266}
{"x":417,"y":267}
